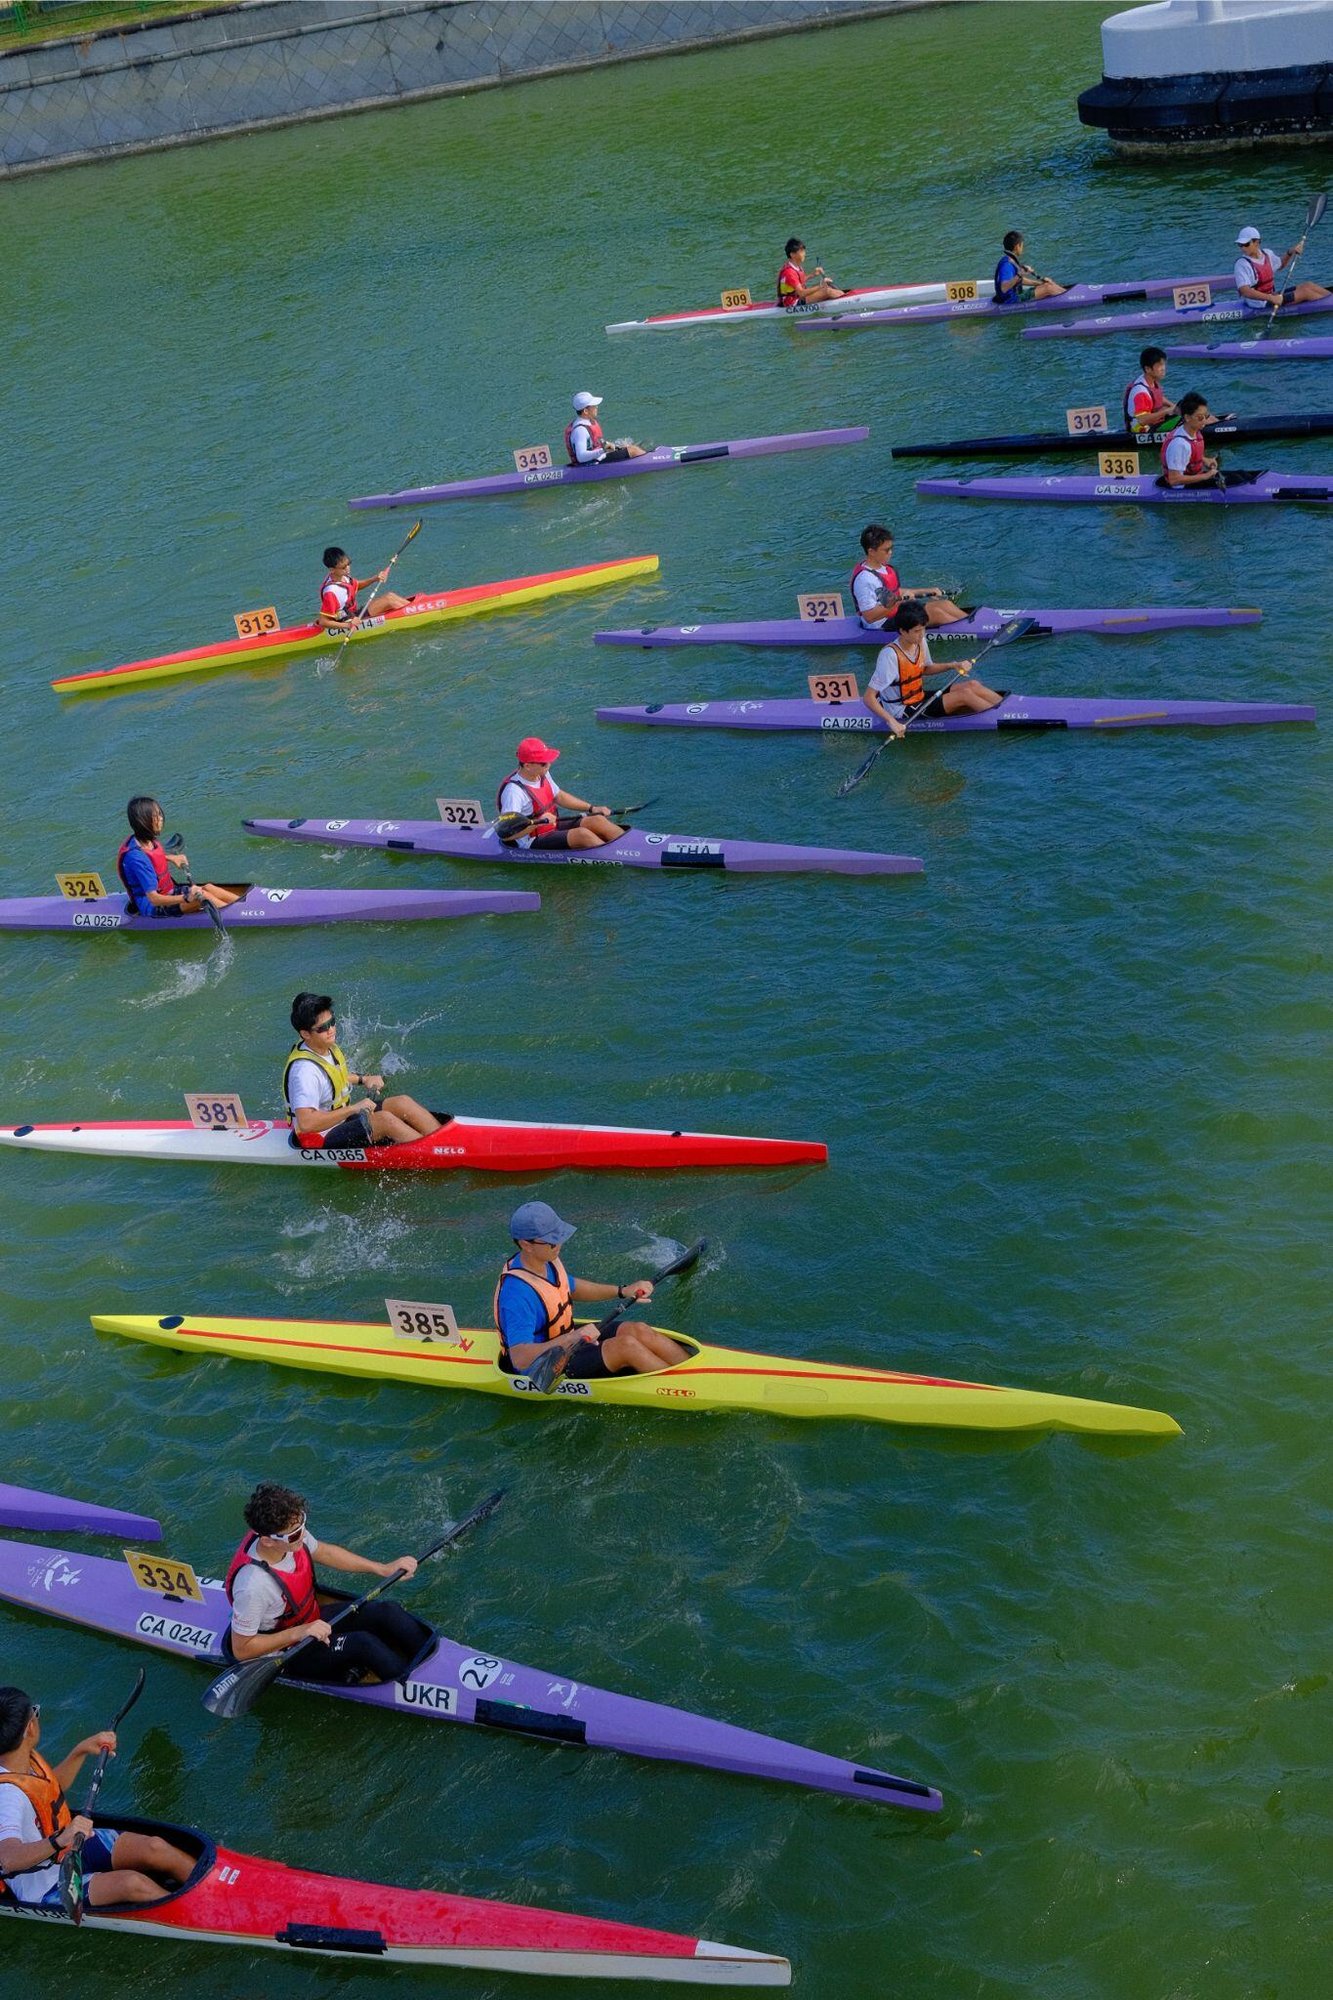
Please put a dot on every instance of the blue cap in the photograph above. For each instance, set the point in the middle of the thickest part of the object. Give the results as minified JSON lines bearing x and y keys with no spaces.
{"x":537,"y":1222}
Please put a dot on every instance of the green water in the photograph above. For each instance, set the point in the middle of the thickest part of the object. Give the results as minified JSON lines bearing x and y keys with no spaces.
{"x":1070,"y":1078}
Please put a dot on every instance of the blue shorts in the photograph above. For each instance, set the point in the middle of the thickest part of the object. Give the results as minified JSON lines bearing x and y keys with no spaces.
{"x":96,"y":1858}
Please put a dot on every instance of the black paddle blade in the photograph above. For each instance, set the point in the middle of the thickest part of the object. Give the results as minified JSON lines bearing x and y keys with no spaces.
{"x":547,"y":1369}
{"x":863,"y":769}
{"x":510,"y":826}
{"x":175,"y":844}
{"x":685,"y":1262}
{"x":235,"y":1693}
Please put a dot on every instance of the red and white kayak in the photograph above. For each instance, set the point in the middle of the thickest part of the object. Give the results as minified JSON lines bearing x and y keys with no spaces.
{"x":469,"y":1145}
{"x":233,"y":1898}
{"x":764,"y":309}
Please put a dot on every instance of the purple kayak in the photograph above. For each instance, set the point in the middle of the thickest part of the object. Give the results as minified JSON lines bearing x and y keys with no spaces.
{"x":1145,"y":322}
{"x":663,"y":458}
{"x":267,"y":909}
{"x":1241,"y":490}
{"x":1075,"y":296}
{"x":1016,"y":711}
{"x":1319,"y":347}
{"x":636,"y":849}
{"x":983,"y":623}
{"x":51,"y":1513}
{"x":452,"y":1684}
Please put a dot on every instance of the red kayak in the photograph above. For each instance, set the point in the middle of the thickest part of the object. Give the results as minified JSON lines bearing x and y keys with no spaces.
{"x":242,"y":1899}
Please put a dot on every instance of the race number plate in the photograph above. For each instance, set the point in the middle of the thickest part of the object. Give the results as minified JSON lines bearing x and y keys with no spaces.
{"x":1185,"y":296}
{"x":81,"y":888}
{"x":833,"y":687}
{"x":167,"y":1578}
{"x":817,"y":606}
{"x":1092,"y":417}
{"x":461,"y":812}
{"x":411,"y":1320}
{"x":215,"y":1110}
{"x":249,"y":624}
{"x":532,"y":458}
{"x":1118,"y":464}
{"x":736,"y":301}
{"x":960,"y":290}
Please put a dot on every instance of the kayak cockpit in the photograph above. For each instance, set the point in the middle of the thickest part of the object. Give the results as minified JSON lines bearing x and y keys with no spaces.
{"x":189,"y":1838}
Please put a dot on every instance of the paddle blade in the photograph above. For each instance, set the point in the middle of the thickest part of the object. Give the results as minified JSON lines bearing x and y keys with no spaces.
{"x":863,"y":770}
{"x":1017,"y":628}
{"x":235,"y":1693}
{"x":685,"y":1262}
{"x":70,"y":1881}
{"x":1314,"y":213}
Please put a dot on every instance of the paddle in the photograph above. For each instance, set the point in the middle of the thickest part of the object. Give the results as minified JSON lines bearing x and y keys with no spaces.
{"x":551,"y":1363}
{"x":383,"y":577}
{"x":1314,"y":211}
{"x":174,"y":846}
{"x":235,"y":1693}
{"x":70,"y":1879}
{"x":1017,"y":628}
{"x":512,"y":826}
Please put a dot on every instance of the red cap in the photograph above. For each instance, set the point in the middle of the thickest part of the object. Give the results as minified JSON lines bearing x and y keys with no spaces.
{"x":533,"y":751}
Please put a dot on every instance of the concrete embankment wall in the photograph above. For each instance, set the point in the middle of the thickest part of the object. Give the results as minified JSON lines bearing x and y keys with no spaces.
{"x":277,"y":62}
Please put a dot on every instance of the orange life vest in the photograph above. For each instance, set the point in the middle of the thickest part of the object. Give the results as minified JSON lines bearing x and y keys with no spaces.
{"x":557,"y":1298}
{"x":911,"y":676}
{"x":42,"y":1789}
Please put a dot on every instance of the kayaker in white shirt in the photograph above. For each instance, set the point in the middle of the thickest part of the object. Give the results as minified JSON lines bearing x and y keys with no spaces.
{"x":583,"y":438}
{"x":877,"y":593}
{"x":896,"y":692}
{"x":1184,"y":460}
{"x":318,"y":1085}
{"x":529,"y":802}
{"x":1256,"y":275}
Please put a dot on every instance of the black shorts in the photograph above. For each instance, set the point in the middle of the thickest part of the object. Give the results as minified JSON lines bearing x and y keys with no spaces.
{"x":557,"y":837}
{"x":353,"y":1131}
{"x":932,"y":705}
{"x":586,"y":1361}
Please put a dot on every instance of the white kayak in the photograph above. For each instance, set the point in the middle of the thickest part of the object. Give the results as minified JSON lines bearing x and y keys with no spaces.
{"x":858,"y":300}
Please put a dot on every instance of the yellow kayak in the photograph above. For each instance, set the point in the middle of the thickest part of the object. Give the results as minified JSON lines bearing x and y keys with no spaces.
{"x":713,"y":1378}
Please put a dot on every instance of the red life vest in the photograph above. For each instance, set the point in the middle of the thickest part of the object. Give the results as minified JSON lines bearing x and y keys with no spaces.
{"x":594,"y":435}
{"x":541,"y":794}
{"x":157,"y":855}
{"x":41,"y":1788}
{"x":298,"y":1589}
{"x":557,"y":1299}
{"x":1143,"y":419}
{"x":911,"y":676}
{"x":791,"y":283}
{"x":1196,"y":450}
{"x":1262,"y":267}
{"x":888,"y":576}
{"x":330,"y":594}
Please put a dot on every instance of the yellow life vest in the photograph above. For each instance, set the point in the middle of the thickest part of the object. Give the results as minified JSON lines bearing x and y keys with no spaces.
{"x":557,"y":1298}
{"x":334,"y":1066}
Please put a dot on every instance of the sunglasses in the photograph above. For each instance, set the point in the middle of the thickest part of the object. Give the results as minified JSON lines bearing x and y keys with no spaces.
{"x":322,"y":1027}
{"x":292,"y":1534}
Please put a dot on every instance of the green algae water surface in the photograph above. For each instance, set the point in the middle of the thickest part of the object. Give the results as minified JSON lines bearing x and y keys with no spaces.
{"x":1069,"y":1078}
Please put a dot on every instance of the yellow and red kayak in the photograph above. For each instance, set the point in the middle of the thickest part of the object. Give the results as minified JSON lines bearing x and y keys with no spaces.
{"x":434,"y":609}
{"x":712,"y":1378}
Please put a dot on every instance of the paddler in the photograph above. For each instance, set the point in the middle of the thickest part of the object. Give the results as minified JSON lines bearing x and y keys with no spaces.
{"x":276,"y":1602}
{"x":534,"y":1310}
{"x":37,"y":1826}
{"x":1016,"y":283}
{"x":144,"y":867}
{"x":527,"y":802}
{"x":896,"y":692}
{"x":1145,"y":402}
{"x":338,"y":609}
{"x":584,"y":442}
{"x":795,"y":289}
{"x":1256,"y":272}
{"x":318,"y":1087}
{"x":1184,"y":460}
{"x":877,"y":592}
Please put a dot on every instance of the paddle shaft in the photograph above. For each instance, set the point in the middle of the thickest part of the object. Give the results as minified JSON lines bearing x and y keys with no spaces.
{"x":412,"y":532}
{"x":685,"y":1262}
{"x":1015,"y":629}
{"x":1314,"y":210}
{"x":176,"y":842}
{"x":72,"y":1898}
{"x":545,"y":1371}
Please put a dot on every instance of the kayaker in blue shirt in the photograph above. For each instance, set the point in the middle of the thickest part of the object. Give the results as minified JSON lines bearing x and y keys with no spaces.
{"x":534,"y":1312}
{"x":1016,"y":283}
{"x":144,"y":867}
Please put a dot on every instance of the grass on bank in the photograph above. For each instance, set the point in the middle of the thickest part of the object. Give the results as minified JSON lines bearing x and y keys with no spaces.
{"x":23,"y":22}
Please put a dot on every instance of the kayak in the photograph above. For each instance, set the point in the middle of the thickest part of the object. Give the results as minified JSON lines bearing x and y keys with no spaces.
{"x":232,"y":1898}
{"x":274,"y":909}
{"x":1225,"y":431}
{"x":424,"y":610}
{"x":1241,"y":489}
{"x":1164,"y":316}
{"x":453,"y":1683}
{"x":25,"y":1507}
{"x":986,"y":308}
{"x":1317,"y":348}
{"x":765,"y":309}
{"x":1016,"y":711}
{"x":713,"y":1378}
{"x":467,"y":1145}
{"x":662,"y":458}
{"x":982,"y":623}
{"x":636,"y":849}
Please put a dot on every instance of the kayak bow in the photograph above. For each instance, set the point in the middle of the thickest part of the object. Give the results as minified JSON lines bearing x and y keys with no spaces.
{"x":25,"y":1507}
{"x":713,"y":1378}
{"x":663,"y":458}
{"x":986,"y":308}
{"x":263,"y":909}
{"x":983,"y":623}
{"x":1241,"y":489}
{"x":1318,"y":348}
{"x":453,"y":1683}
{"x":1015,"y":712}
{"x":865,"y":295}
{"x":233,"y":1898}
{"x":435,"y":609}
{"x":1226,"y":430}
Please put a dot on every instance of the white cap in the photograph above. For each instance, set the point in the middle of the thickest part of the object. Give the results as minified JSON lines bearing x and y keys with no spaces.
{"x":585,"y":400}
{"x":1248,"y":235}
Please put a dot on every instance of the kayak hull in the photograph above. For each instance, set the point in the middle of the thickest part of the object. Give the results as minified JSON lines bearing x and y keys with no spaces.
{"x":51,"y":1513}
{"x":454,"y":1684}
{"x":1167,"y":316}
{"x":761,"y":311}
{"x":985,"y":308}
{"x":712,"y":1379}
{"x":1015,"y":712}
{"x":292,"y":641}
{"x":1227,"y":430}
{"x":1315,"y":349}
{"x":983,"y":623}
{"x":263,"y":909}
{"x":463,"y":1145}
{"x":233,"y":1898}
{"x":663,"y":458}
{"x":636,"y":849}
{"x":1247,"y":490}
